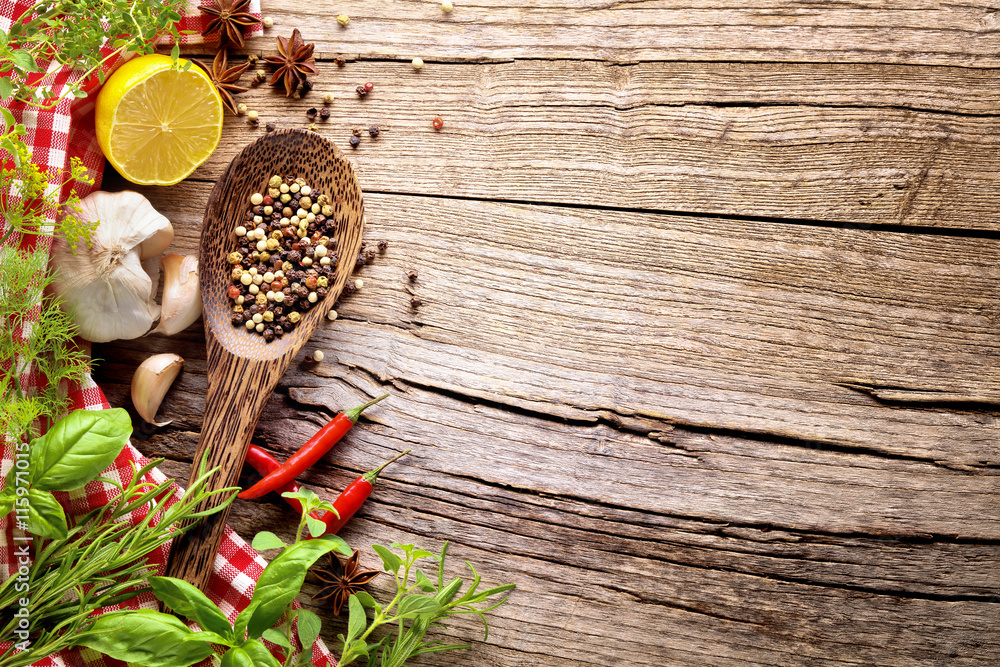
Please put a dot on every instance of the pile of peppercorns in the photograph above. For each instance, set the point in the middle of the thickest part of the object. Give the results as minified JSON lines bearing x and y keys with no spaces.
{"x":285,"y":259}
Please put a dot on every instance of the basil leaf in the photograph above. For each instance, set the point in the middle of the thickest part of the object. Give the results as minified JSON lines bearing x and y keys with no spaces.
{"x":46,"y":517}
{"x":191,"y":603}
{"x":282,"y":579}
{"x":276,"y":637}
{"x":236,"y":657}
{"x":356,"y":620}
{"x":389,"y":560}
{"x":78,"y":448}
{"x":308,"y":627}
{"x":7,"y":496}
{"x":242,"y":619}
{"x":210,"y":637}
{"x":265,"y":540}
{"x":260,"y":655}
{"x":147,"y":637}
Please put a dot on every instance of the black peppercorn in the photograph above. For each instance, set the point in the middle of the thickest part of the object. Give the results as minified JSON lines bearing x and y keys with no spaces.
{"x":383,"y":245}
{"x":237,"y":319}
{"x":373,"y":131}
{"x":279,"y":331}
{"x":415,"y":302}
{"x":310,"y":252}
{"x":359,"y":262}
{"x":361,"y":91}
{"x":307,"y":85}
{"x":369,"y":255}
{"x":340,"y":62}
{"x":268,"y":335}
{"x":354,"y":142}
{"x":349,"y":288}
{"x":269,"y":127}
{"x":324,"y":113}
{"x":356,"y":132}
{"x":321,"y":293}
{"x":311,"y":114}
{"x":412,"y":275}
{"x":294,"y":256}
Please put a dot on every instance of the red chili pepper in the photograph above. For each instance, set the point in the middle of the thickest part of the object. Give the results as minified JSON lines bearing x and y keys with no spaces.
{"x":265,"y":464}
{"x":353,"y":497}
{"x":309,"y":453}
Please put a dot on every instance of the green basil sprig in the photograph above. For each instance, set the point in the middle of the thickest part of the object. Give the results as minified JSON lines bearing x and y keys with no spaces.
{"x":72,"y":453}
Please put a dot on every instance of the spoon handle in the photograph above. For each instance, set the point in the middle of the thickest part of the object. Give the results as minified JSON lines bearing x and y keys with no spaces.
{"x":238,"y":388}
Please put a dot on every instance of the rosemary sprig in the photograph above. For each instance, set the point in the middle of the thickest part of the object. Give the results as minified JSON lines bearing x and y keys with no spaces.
{"x":102,"y":562}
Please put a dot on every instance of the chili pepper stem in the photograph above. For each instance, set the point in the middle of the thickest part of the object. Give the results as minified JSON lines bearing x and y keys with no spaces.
{"x":355,"y":413}
{"x":372,"y":475}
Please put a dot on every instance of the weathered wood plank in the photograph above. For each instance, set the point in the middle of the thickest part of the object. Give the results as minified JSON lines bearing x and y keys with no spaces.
{"x":848,"y":144}
{"x":648,"y":320}
{"x":880,"y":32}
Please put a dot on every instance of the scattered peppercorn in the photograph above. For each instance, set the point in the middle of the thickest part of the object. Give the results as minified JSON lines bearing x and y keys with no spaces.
{"x":369,"y":86}
{"x":417,"y":63}
{"x":415,"y":301}
{"x":252,"y":115}
{"x":361,"y":90}
{"x":383,"y":245}
{"x":447,"y":6}
{"x":327,"y":98}
{"x":357,"y":133}
{"x":241,"y":108}
{"x":311,"y":113}
{"x":373,"y":131}
{"x":324,"y":113}
{"x":318,"y":355}
{"x":412,"y":275}
{"x":369,"y":255}
{"x":307,"y":86}
{"x":343,"y":19}
{"x":269,"y":127}
{"x":259,"y":77}
{"x":340,"y":61}
{"x":438,"y":123}
{"x":313,"y":127}
{"x":355,"y":141}
{"x":268,"y":22}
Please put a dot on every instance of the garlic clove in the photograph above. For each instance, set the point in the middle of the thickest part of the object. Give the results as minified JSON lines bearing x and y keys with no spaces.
{"x":157,"y":243}
{"x":181,"y":293}
{"x":104,"y":286}
{"x":150,"y":383}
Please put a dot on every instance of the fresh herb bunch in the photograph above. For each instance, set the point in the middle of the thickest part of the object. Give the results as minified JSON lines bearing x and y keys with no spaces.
{"x":27,"y":202}
{"x":417,"y":606}
{"x":69,"y":32}
{"x":49,"y":348}
{"x":155,"y":639}
{"x":101,"y":562}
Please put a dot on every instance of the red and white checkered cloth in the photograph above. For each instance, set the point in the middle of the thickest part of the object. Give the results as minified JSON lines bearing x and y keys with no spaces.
{"x":55,"y":136}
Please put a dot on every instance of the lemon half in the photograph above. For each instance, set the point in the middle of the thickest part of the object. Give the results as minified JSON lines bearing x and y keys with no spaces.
{"x":156,"y":123}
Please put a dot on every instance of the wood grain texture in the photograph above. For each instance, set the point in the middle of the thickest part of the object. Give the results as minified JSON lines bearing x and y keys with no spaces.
{"x":866,"y":32}
{"x":243,"y":369}
{"x":861,"y":145}
{"x":649,"y":321}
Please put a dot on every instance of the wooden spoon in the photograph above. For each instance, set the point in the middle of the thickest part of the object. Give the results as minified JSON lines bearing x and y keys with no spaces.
{"x":243,"y":369}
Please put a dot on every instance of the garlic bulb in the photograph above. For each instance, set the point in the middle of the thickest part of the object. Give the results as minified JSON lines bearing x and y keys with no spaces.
{"x":150,"y":383}
{"x":181,"y":293}
{"x":106,"y":287}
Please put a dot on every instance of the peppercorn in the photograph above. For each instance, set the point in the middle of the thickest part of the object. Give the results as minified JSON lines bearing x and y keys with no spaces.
{"x":279,"y":331}
{"x":324,"y":113}
{"x":343,"y":19}
{"x":233,"y":292}
{"x":268,"y":21}
{"x":355,"y":141}
{"x":259,"y":76}
{"x":252,"y":116}
{"x":321,"y":293}
{"x":417,"y":63}
{"x":383,"y":245}
{"x":332,"y":315}
{"x":438,"y":123}
{"x":241,"y":109}
{"x":349,"y":288}
{"x":412,"y":275}
{"x":447,"y":6}
{"x":313,"y":127}
{"x":360,"y":261}
{"x":340,"y":61}
{"x":235,"y":258}
{"x":373,"y":131}
{"x":268,"y":335}
{"x":311,"y":113}
{"x":361,"y":90}
{"x":415,"y":302}
{"x":307,"y":86}
{"x":237,"y":319}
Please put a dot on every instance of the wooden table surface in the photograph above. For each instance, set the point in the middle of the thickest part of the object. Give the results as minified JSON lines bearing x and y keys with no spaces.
{"x":707,"y":355}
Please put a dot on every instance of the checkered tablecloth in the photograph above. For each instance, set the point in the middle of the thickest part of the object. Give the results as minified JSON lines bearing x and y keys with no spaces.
{"x":56,"y":136}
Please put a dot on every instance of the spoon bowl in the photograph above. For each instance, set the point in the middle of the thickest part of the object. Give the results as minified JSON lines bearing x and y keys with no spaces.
{"x":243,"y":369}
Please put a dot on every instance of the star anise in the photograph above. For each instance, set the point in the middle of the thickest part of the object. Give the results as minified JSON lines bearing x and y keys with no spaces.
{"x":228,"y":19}
{"x":293,"y":64}
{"x":225,"y":78}
{"x":343,"y":579}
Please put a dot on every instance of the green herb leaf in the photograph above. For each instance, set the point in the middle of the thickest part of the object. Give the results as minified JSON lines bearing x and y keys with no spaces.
{"x":309,"y":627}
{"x":236,"y":657}
{"x":24,"y":61}
{"x":265,"y":540}
{"x":281,"y":580}
{"x":422,"y":581}
{"x":78,"y":448}
{"x":147,"y":637}
{"x":366,"y":600}
{"x":242,"y":619}
{"x":389,"y":560}
{"x":6,"y":88}
{"x":260,"y":655}
{"x":7,"y":497}
{"x":356,"y":620}
{"x":46,"y":517}
{"x":277,"y":637}
{"x":191,"y":603}
{"x":417,"y":605}
{"x":210,"y":637}
{"x":316,"y":527}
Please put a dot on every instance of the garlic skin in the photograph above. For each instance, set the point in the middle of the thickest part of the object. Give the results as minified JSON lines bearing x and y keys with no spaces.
{"x":150,"y":383}
{"x":181,"y":293}
{"x":106,"y":287}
